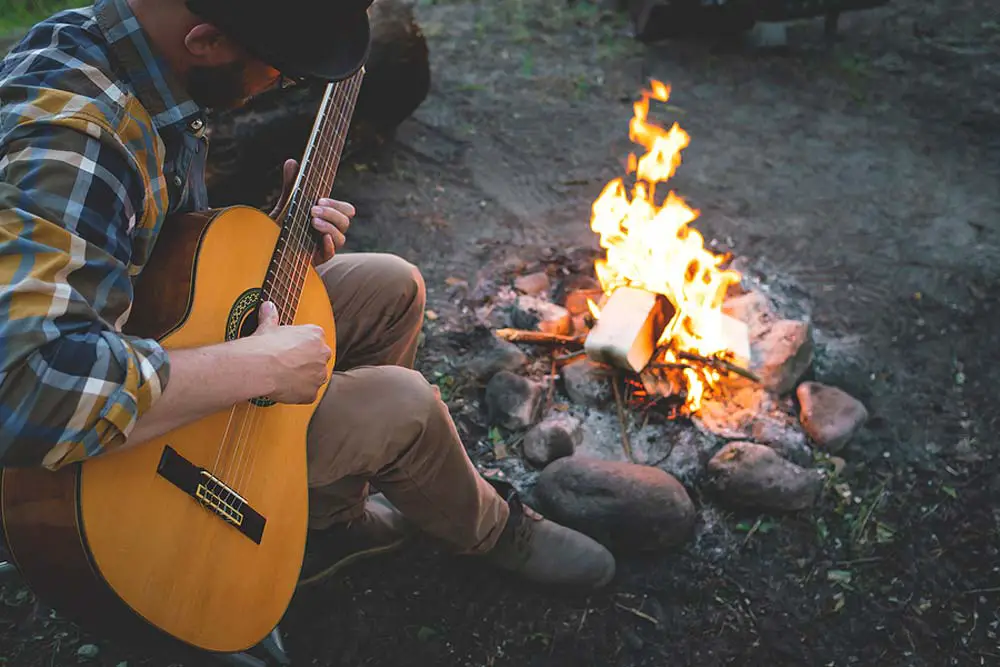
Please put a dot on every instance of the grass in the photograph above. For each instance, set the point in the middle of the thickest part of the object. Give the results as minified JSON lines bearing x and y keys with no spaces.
{"x":19,"y":14}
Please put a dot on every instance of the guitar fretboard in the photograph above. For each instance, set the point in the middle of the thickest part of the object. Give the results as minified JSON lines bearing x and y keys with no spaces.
{"x":294,"y":250}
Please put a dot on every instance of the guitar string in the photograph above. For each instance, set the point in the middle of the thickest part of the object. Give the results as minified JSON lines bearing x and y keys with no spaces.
{"x":274,"y":282}
{"x":289,"y":281}
{"x":334,"y":131}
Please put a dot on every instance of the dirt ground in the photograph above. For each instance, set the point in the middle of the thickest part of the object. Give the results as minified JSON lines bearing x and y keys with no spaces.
{"x":864,"y":178}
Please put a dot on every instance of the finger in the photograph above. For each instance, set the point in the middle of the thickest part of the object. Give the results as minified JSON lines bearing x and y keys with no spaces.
{"x":331,"y":220}
{"x":342,"y":206}
{"x":268,"y":314}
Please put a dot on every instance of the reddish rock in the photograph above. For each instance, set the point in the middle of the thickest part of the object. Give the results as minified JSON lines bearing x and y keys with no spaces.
{"x":830,"y":416}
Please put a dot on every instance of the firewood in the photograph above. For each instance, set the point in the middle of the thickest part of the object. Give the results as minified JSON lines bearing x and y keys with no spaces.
{"x":538,"y":337}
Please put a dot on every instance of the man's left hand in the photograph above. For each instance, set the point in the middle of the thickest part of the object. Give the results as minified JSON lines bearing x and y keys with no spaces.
{"x":329,"y":217}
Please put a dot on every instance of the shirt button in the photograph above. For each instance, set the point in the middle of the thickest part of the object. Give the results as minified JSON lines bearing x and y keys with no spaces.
{"x":178,"y":181}
{"x":197,"y":124}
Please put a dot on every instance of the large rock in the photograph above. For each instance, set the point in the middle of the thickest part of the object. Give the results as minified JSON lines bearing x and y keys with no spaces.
{"x":830,"y":415}
{"x":753,"y":476}
{"x":626,"y":507}
{"x":499,"y":355}
{"x":250,"y":145}
{"x":782,"y":355}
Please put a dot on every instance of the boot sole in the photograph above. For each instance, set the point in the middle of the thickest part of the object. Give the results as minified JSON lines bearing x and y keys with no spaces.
{"x":350,"y":560}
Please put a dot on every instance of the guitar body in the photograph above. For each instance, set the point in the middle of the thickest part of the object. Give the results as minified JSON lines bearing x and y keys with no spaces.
{"x":198,"y":534}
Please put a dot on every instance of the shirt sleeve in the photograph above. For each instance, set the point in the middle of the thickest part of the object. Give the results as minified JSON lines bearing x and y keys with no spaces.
{"x":72,"y":385}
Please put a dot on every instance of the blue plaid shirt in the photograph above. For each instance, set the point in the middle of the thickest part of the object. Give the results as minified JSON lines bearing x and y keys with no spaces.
{"x":98,"y":144}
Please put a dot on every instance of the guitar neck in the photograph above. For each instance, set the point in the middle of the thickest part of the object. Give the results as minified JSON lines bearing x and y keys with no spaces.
{"x":317,"y":172}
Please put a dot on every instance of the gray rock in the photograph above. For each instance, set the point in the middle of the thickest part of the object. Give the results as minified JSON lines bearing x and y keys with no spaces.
{"x":557,"y":436}
{"x":501,"y":355}
{"x":830,"y":416}
{"x":532,"y":312}
{"x":512,"y":401}
{"x":783,"y":434}
{"x":754,"y":476}
{"x":782,"y":355}
{"x":533,"y":283}
{"x":587,"y":382}
{"x":626,"y":507}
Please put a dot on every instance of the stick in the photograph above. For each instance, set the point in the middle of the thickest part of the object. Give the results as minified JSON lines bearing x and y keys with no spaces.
{"x":540,"y":337}
{"x":720,"y":364}
{"x":640,"y":614}
{"x":626,"y":444}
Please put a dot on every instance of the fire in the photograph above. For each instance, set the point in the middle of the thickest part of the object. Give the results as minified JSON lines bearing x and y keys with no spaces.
{"x":651,"y":246}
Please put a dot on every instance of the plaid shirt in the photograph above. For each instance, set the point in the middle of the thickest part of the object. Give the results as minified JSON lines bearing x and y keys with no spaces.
{"x":97,"y":145}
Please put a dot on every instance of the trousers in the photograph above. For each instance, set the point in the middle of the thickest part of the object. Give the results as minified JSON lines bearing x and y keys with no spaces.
{"x":380,"y":424}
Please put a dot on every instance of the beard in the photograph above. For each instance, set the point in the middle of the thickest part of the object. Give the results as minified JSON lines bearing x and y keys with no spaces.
{"x":222,"y":87}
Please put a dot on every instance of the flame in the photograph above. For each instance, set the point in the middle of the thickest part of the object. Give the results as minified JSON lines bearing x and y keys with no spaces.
{"x":651,"y":246}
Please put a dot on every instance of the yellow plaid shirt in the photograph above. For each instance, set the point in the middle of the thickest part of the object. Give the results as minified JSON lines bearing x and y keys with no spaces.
{"x":97,"y":146}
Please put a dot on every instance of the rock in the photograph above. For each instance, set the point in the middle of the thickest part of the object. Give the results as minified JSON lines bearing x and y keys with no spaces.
{"x":783,"y":434}
{"x":554,"y":438}
{"x":576,"y":301}
{"x":587,"y":382}
{"x":626,"y":507}
{"x":581,"y":324}
{"x":512,"y":401}
{"x":250,"y":144}
{"x":830,"y":416}
{"x":501,"y":355}
{"x":754,"y":476}
{"x":782,"y":355}
{"x":753,"y":309}
{"x":531,"y":312}
{"x":731,"y":412}
{"x":533,"y":283}
{"x":87,"y":652}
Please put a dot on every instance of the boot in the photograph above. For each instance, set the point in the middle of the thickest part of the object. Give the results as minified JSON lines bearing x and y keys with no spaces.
{"x":547,"y":553}
{"x":381,"y":529}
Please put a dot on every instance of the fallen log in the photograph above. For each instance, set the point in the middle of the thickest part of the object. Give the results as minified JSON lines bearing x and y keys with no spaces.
{"x":249,"y":145}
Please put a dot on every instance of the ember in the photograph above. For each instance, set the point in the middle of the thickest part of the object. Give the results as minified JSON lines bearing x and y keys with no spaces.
{"x":650,"y":246}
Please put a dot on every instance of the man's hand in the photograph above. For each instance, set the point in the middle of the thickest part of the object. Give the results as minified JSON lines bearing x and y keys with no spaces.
{"x":330,"y":217}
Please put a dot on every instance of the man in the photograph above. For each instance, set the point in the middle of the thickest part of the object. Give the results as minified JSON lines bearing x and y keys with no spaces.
{"x":101,"y":137}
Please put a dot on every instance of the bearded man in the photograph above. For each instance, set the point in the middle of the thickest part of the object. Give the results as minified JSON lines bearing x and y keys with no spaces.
{"x":102,"y":137}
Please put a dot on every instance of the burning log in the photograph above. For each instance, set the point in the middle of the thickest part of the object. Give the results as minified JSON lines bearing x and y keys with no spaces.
{"x":629,"y":328}
{"x":249,"y":145}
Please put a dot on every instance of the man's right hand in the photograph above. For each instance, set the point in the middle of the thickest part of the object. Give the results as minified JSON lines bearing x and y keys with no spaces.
{"x":296,"y":357}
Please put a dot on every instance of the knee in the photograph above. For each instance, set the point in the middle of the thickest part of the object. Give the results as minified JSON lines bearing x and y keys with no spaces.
{"x":405,"y":278}
{"x":410,"y":391}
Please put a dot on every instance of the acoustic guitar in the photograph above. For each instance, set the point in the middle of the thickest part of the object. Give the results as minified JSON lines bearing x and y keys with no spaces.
{"x":197,"y":536}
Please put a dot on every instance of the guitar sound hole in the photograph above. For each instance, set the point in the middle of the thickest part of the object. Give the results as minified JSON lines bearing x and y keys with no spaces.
{"x":249,"y":323}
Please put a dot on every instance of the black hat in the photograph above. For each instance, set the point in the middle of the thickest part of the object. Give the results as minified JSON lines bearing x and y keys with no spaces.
{"x":319,"y":39}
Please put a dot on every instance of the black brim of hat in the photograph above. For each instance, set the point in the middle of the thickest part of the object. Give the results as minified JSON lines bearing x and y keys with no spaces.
{"x":331,"y":55}
{"x":327,"y":44}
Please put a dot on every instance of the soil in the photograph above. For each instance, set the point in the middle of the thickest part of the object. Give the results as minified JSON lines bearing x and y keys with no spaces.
{"x":861,"y":177}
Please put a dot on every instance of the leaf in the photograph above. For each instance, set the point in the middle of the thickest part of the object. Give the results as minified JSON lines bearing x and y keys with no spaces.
{"x":950,"y":491}
{"x":495,"y":437}
{"x":842,"y":577}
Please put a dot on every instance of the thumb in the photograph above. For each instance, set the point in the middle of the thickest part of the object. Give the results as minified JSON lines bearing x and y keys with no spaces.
{"x":267,"y":318}
{"x":288,"y":173}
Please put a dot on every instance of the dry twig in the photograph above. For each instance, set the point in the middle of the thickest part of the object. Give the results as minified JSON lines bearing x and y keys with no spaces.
{"x":626,"y":444}
{"x":539,"y":337}
{"x":719,"y":364}
{"x":641,"y":614}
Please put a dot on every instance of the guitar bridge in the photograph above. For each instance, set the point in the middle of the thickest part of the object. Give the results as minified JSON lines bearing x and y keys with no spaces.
{"x":212,"y":494}
{"x":208,"y":492}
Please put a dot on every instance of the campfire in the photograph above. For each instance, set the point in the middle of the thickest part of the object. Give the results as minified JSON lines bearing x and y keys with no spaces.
{"x":673,"y":369}
{"x":663,"y":289}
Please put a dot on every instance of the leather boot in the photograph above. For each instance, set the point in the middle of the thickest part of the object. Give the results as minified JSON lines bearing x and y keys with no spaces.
{"x":381,"y":529}
{"x":545,"y":552}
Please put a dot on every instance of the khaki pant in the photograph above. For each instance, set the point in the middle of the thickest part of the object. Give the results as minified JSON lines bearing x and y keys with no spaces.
{"x":382,"y":424}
